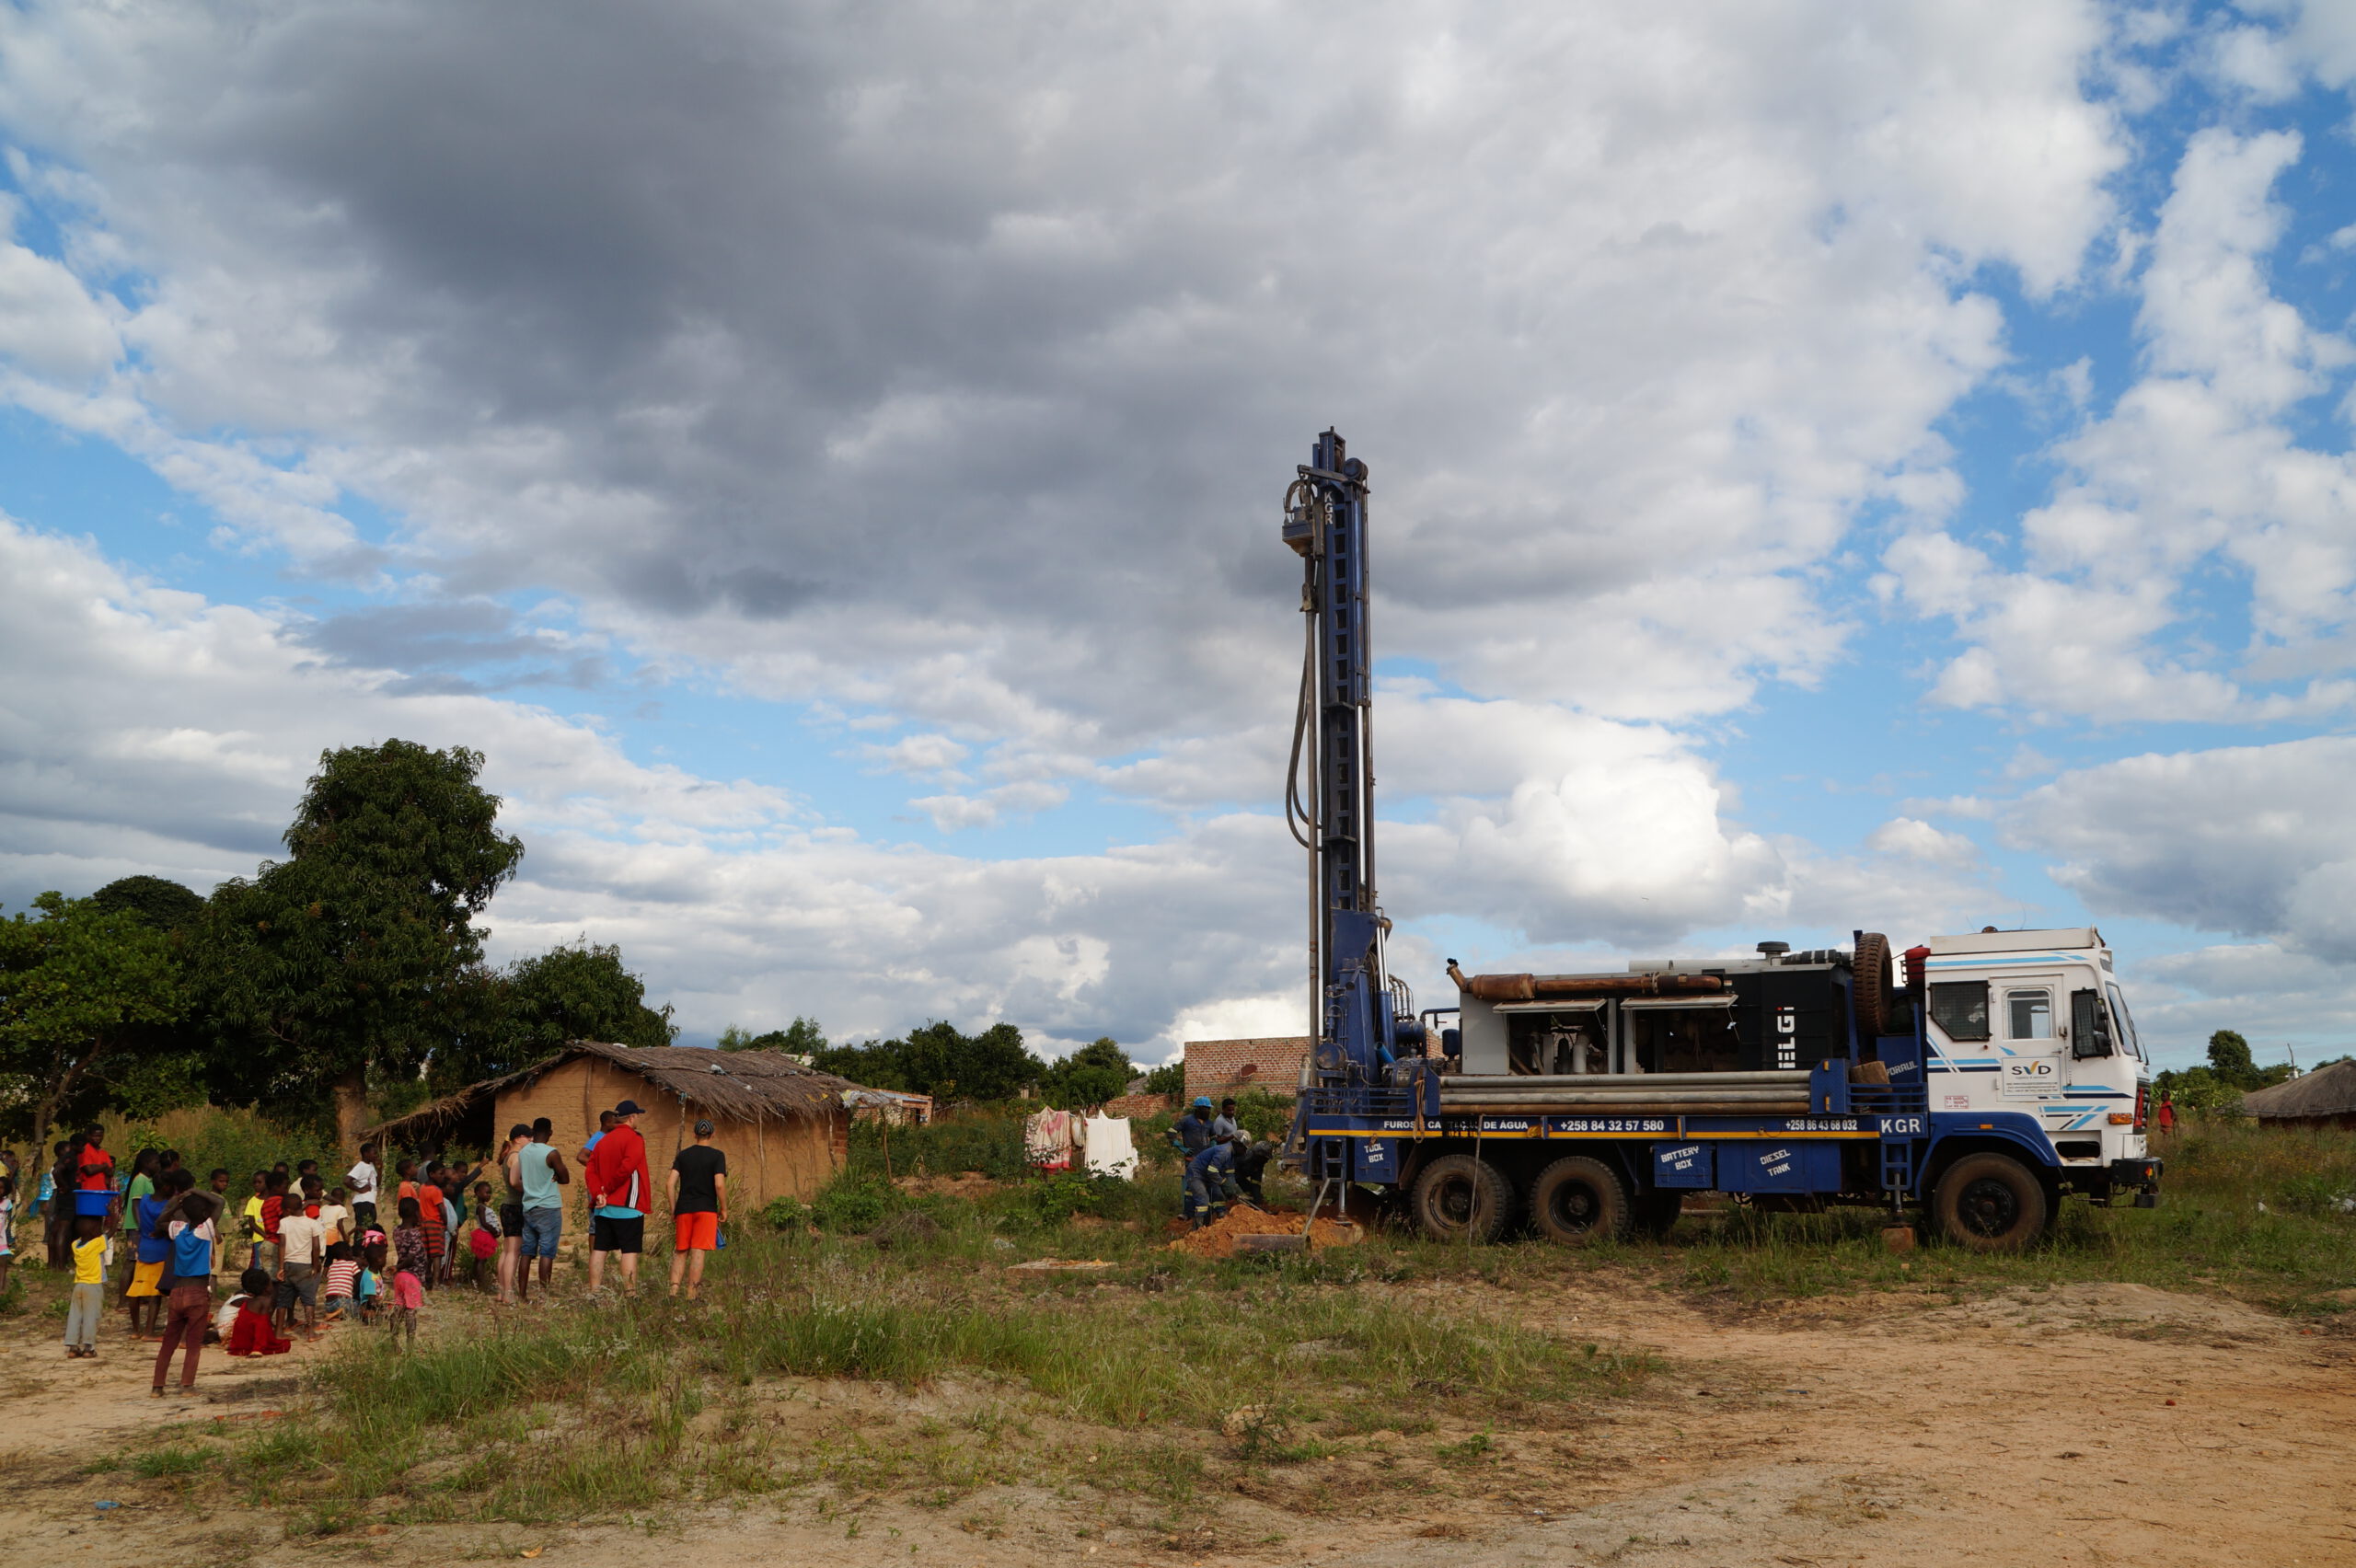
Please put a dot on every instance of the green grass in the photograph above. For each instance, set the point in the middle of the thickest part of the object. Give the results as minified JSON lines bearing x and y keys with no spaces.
{"x":2294,"y":1254}
{"x":1126,"y":1380}
{"x":570,"y":1411}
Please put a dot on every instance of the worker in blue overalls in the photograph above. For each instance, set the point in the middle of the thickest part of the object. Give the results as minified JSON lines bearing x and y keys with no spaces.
{"x":1210,"y":1182}
{"x":1189,"y":1135}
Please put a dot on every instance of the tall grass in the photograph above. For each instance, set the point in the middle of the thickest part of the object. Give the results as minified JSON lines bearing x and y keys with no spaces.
{"x":2248,"y":1209}
{"x":573,"y":1408}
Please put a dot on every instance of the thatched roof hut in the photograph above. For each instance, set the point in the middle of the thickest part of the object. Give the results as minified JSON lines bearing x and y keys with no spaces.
{"x":2324,"y":1097}
{"x":784,"y":1126}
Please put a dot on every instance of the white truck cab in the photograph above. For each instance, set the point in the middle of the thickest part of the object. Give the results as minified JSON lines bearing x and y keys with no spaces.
{"x":2035,"y":1022}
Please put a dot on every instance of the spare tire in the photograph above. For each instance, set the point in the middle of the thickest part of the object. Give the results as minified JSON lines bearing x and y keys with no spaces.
{"x":1461,"y":1197}
{"x":1871,"y":985}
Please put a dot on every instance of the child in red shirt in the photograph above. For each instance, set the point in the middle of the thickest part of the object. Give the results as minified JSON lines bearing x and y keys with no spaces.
{"x":253,"y":1334}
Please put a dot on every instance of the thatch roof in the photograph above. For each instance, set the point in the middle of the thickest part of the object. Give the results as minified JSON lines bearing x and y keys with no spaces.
{"x":2326,"y":1091}
{"x":738,"y":1086}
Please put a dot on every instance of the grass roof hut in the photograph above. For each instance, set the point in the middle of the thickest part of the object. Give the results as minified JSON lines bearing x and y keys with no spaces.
{"x":2324,"y":1097}
{"x":784,"y":1126}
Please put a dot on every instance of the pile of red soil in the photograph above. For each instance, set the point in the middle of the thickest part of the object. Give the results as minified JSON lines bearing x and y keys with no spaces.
{"x":1217,"y":1239}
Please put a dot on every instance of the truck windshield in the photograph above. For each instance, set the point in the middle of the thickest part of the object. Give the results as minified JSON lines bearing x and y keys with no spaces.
{"x":2126,"y":1024}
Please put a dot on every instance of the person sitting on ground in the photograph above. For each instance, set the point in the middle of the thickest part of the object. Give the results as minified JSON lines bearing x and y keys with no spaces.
{"x":1210,"y":1182}
{"x":698,"y":1208}
{"x":224,"y":1317}
{"x":339,"y":1296}
{"x":252,"y":1335}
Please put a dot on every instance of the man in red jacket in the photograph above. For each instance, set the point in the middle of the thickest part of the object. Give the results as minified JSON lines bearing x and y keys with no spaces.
{"x":619,"y":1191}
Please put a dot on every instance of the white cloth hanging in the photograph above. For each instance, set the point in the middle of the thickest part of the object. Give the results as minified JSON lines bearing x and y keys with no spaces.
{"x":1111,"y":1150}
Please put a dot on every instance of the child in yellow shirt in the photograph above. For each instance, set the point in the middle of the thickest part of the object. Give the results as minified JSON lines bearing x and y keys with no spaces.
{"x":88,"y":1301}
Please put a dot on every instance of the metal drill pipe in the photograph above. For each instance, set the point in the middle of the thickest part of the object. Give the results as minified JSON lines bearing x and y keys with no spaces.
{"x":1475,"y":1082}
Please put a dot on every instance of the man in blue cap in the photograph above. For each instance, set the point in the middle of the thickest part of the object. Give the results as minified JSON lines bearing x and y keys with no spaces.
{"x":1189,"y":1135}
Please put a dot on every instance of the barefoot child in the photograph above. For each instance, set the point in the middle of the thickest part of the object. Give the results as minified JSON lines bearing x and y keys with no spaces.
{"x":410,"y":1259}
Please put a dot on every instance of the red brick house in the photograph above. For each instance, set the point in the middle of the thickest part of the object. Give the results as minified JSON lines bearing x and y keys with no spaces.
{"x":1218,"y":1067}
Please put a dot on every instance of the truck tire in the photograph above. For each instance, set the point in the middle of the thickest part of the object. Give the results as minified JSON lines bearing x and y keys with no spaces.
{"x":1578,"y":1200}
{"x":1870,"y":983}
{"x":1657,"y":1212}
{"x":1462,"y":1198}
{"x":1990,"y":1203}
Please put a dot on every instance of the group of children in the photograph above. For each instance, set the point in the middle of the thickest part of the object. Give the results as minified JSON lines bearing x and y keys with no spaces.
{"x":314,"y":1253}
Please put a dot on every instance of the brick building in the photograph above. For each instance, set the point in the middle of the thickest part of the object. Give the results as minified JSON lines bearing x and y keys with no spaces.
{"x":1217,"y":1068}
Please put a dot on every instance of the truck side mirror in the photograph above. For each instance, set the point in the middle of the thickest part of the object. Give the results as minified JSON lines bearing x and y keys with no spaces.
{"x":2089,"y":1026}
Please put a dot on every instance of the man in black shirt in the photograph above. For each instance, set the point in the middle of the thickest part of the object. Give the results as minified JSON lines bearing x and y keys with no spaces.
{"x":698,"y":1208}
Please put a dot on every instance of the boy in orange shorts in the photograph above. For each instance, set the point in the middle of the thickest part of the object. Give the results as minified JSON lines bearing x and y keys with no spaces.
{"x":698,"y":1208}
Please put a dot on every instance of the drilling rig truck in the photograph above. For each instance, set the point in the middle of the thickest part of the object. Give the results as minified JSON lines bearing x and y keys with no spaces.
{"x":1978,"y":1078}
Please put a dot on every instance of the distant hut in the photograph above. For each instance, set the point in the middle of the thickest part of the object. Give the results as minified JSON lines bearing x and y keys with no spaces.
{"x":2324,"y":1097}
{"x":784,"y":1126}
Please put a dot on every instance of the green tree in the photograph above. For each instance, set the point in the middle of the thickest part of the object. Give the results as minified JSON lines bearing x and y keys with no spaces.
{"x":879,"y":1063}
{"x":1093,"y":1074}
{"x":359,"y":951}
{"x":533,"y":1008}
{"x":803,"y":1037}
{"x":167,"y":906}
{"x":1168,"y":1079}
{"x":2229,"y":1058}
{"x":88,"y":997}
{"x":940,"y":1061}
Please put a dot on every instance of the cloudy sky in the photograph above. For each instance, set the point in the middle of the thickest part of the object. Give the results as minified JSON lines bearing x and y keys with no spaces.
{"x":1834,"y":466}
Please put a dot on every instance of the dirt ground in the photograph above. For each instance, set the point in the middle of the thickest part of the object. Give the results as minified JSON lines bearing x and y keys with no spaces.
{"x":2092,"y":1425}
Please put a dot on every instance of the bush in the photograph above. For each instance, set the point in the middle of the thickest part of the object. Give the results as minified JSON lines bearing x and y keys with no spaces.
{"x":851,"y":1208}
{"x":984,"y":1139}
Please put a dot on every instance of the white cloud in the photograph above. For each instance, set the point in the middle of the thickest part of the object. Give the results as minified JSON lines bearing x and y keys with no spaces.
{"x":948,"y":411}
{"x":2256,"y":841}
{"x":1914,"y":840}
{"x":2196,"y":463}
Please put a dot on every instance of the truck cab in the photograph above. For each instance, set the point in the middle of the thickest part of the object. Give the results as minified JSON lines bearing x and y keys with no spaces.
{"x":2032,"y":1029}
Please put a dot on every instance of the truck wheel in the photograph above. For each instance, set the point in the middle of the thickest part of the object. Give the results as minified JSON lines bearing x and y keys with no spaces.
{"x":1870,"y":983}
{"x":1657,"y":1212}
{"x":1580,"y":1200}
{"x":1990,"y":1203}
{"x":1460,"y":1198}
